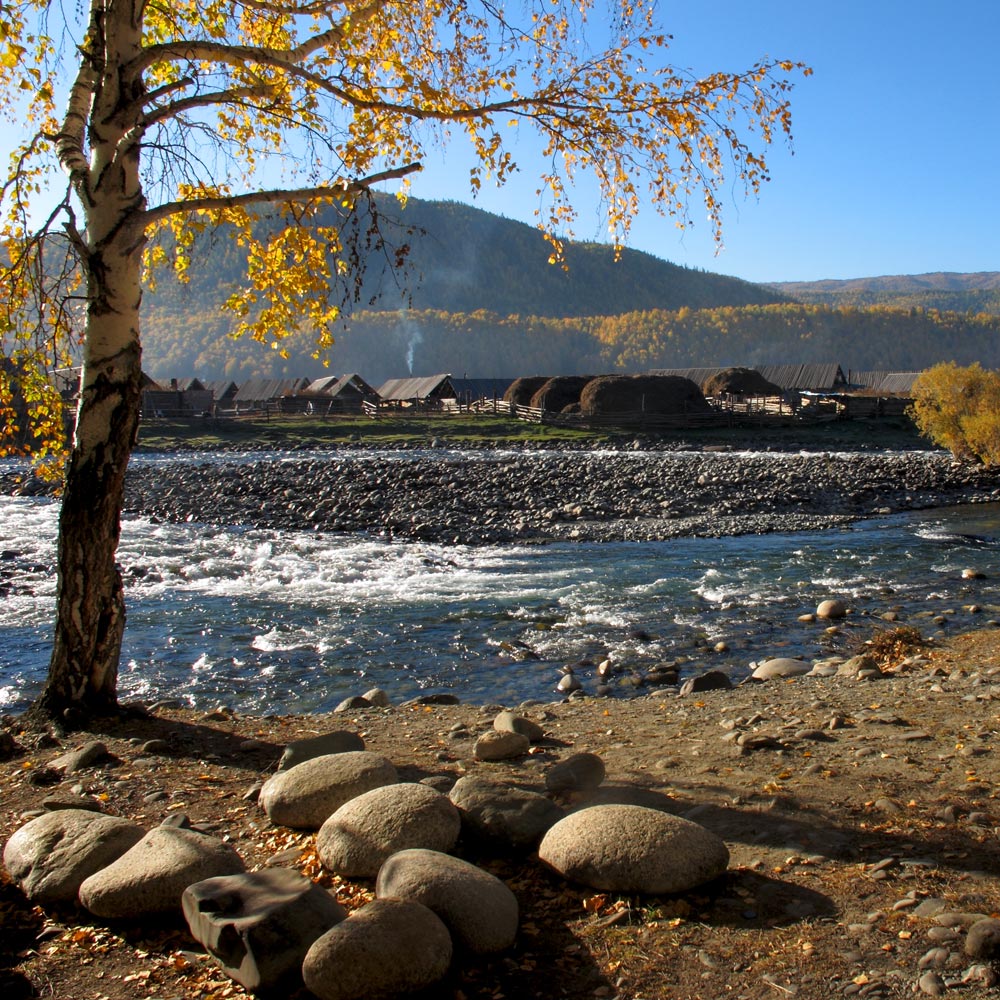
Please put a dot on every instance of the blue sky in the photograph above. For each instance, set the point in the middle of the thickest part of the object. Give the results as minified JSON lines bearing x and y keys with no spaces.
{"x":896,"y":165}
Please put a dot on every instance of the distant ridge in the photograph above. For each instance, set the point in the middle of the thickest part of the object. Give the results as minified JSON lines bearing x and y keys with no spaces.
{"x":481,"y":301}
{"x":978,"y":291}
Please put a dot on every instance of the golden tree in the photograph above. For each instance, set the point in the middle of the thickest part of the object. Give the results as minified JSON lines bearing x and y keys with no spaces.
{"x":201,"y":114}
{"x":958,"y":408}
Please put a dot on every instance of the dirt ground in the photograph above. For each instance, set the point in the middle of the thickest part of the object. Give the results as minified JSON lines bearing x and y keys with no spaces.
{"x":845,"y":804}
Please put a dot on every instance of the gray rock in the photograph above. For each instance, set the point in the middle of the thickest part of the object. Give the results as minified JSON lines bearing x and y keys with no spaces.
{"x":339,"y":741}
{"x":362,"y":833}
{"x":512,"y":817}
{"x":388,"y":947}
{"x":983,"y":939}
{"x":859,"y":668}
{"x":50,"y":856}
{"x":150,"y":878}
{"x":477,"y":908}
{"x":305,"y":796}
{"x":496,"y":745}
{"x":780,"y":666}
{"x":89,"y":755}
{"x":712,"y":680}
{"x":633,"y":849}
{"x":508,"y":722}
{"x":258,"y":926}
{"x":580,"y":773}
{"x":355,"y":701}
{"x":378,"y":697}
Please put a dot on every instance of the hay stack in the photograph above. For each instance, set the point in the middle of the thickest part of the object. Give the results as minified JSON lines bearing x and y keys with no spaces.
{"x":559,"y":392}
{"x":662,"y":394}
{"x":520,"y":391}
{"x":739,"y":382}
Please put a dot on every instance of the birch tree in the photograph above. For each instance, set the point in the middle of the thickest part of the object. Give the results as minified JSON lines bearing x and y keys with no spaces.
{"x":147,"y":123}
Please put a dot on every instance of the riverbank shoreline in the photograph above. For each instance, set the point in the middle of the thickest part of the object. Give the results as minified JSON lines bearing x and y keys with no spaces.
{"x":861,"y":818}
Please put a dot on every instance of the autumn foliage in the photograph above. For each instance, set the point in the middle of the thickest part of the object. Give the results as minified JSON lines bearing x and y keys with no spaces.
{"x":959,"y":409}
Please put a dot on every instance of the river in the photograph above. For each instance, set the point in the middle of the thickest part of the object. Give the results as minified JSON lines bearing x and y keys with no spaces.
{"x":269,"y":621}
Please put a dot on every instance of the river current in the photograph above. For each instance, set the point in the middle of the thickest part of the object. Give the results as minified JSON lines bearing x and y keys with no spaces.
{"x":285,"y":621}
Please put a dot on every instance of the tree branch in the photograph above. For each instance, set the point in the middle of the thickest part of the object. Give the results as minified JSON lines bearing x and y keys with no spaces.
{"x":339,"y":190}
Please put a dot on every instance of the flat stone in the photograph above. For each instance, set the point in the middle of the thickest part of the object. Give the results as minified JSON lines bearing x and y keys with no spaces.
{"x":258,"y":926}
{"x":50,"y":856}
{"x":780,"y":666}
{"x":89,"y":755}
{"x":478,"y":909}
{"x":306,"y":795}
{"x":385,"y":948}
{"x":338,"y":741}
{"x":363,"y":832}
{"x":150,"y":878}
{"x":633,"y":849}
{"x":496,"y":745}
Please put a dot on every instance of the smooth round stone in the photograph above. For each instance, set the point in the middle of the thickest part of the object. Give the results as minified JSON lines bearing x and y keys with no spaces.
{"x":983,"y":939}
{"x":514,"y":818}
{"x":362,"y":833}
{"x":624,"y":848}
{"x":477,"y":908}
{"x":51,"y":856}
{"x":150,"y":879}
{"x":509,"y":722}
{"x":304,"y":796}
{"x":831,"y":608}
{"x":338,"y":741}
{"x":496,"y":745}
{"x":780,"y":666}
{"x":579,"y":773}
{"x":384,"y":949}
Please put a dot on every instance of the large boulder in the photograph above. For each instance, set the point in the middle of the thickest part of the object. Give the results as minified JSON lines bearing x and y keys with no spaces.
{"x":665,"y":395}
{"x":521,"y":390}
{"x":624,"y":848}
{"x":362,"y":833}
{"x":559,"y":392}
{"x":150,"y":878}
{"x":739,"y":382}
{"x":51,"y":855}
{"x":477,"y":908}
{"x":508,"y":817}
{"x":383,"y":949}
{"x":306,"y":795}
{"x":338,"y":741}
{"x":259,"y":925}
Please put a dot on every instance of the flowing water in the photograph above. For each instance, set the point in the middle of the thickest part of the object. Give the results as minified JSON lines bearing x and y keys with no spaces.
{"x":278,"y":621}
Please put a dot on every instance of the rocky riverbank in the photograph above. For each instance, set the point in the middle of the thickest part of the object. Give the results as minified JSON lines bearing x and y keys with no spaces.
{"x":860,"y":816}
{"x":490,"y":497}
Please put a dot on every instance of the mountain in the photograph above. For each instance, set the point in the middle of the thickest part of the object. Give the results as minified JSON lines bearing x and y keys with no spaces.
{"x":979,"y":292}
{"x":478,"y":298}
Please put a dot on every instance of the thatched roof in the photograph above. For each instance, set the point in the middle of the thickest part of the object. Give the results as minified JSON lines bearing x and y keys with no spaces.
{"x":662,"y":394}
{"x":739,"y":382}
{"x":520,"y":391}
{"x":559,"y":392}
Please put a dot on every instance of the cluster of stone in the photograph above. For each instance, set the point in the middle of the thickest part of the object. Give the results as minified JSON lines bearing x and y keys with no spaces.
{"x":275,"y":930}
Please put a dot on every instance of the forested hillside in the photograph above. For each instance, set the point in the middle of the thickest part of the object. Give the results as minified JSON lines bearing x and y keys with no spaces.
{"x":484,"y":302}
{"x":944,"y":291}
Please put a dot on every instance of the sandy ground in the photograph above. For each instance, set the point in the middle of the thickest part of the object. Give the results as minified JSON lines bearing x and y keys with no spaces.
{"x":848,"y":808}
